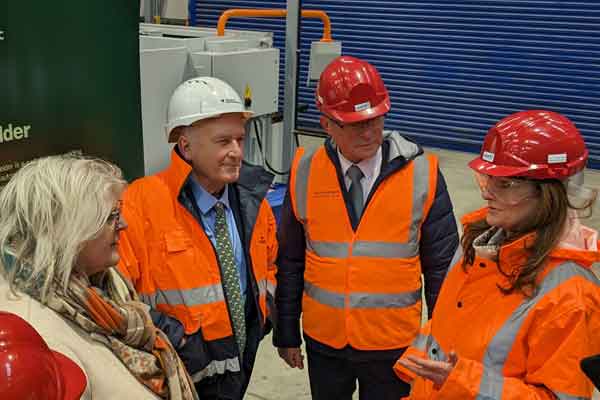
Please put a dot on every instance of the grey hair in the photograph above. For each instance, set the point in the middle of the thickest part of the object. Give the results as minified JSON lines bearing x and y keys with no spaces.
{"x":48,"y":210}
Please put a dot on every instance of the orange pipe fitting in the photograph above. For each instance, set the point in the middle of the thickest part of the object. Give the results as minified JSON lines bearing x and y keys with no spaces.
{"x":273,"y":13}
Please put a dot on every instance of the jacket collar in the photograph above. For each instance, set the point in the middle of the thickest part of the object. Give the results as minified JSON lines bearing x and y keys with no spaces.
{"x":515,"y":253}
{"x":253,"y":179}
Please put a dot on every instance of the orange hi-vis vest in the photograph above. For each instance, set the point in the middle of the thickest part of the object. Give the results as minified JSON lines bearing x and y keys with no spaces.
{"x":172,"y":262}
{"x":363,"y":287}
{"x":510,"y":346}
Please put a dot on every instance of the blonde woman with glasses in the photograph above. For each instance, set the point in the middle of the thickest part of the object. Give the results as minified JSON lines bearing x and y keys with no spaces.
{"x":60,"y":220}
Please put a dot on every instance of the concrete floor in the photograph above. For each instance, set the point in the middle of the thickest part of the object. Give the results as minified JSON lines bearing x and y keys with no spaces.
{"x":274,"y":380}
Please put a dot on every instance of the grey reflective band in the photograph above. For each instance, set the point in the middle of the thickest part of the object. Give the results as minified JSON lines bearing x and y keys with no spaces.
{"x":428,"y":344}
{"x":456,"y":258}
{"x":328,"y":249}
{"x":271,"y":288}
{"x":497,"y":351}
{"x":420,"y":192}
{"x":363,"y":248}
{"x":395,"y":300}
{"x":300,"y":189}
{"x":323,"y":296}
{"x":188,"y":297}
{"x":362,"y":300}
{"x":385,"y":249}
{"x":562,"y":396}
{"x":217,"y":367}
{"x":262,"y":286}
{"x":420,"y":342}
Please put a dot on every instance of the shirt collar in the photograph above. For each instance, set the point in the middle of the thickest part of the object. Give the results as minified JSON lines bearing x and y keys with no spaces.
{"x":367,"y":166}
{"x":205,"y":200}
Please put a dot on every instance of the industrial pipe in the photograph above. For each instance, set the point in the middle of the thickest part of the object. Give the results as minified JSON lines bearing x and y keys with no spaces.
{"x":273,"y":13}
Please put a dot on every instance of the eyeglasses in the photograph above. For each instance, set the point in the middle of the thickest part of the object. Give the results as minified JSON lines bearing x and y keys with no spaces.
{"x":359,"y":126}
{"x":114,"y":219}
{"x":511,"y":191}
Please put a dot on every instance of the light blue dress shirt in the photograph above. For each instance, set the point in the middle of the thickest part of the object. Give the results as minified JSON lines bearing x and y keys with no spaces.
{"x":205,"y":202}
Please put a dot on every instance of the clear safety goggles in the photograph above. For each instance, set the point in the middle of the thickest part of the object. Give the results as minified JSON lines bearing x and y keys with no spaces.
{"x":506,"y":190}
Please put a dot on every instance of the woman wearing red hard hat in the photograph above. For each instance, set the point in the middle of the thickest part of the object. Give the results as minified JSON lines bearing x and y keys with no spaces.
{"x":30,"y":370}
{"x":520,"y":306}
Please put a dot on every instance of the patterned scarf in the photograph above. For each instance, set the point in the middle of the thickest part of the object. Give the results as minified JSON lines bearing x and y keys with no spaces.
{"x":108,"y":309}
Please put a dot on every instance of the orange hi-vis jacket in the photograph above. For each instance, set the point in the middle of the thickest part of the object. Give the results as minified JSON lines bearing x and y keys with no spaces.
{"x":363,"y":287}
{"x":512,"y":347}
{"x":171,"y":260}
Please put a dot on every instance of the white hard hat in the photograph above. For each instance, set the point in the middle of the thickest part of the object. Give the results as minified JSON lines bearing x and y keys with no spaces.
{"x":201,"y":98}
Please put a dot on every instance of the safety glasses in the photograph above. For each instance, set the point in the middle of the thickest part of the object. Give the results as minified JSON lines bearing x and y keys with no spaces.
{"x":510,"y":191}
{"x":114,"y":219}
{"x":358,"y":127}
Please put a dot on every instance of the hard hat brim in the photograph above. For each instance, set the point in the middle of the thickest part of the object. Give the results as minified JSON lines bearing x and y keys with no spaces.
{"x":189,"y":120}
{"x":74,"y":379}
{"x":488,"y":168}
{"x":357,"y":116}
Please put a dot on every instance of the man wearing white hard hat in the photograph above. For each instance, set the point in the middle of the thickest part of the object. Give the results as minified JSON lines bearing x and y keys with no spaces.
{"x":201,"y":245}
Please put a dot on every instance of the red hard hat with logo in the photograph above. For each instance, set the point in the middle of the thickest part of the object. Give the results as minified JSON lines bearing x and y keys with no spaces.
{"x":351,"y":90}
{"x":536,"y":144}
{"x":30,"y":370}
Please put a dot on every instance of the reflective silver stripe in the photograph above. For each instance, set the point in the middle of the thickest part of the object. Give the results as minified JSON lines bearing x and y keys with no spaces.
{"x":361,"y":300}
{"x":431,"y":346}
{"x":562,"y":396}
{"x":217,"y":367}
{"x":420,"y":342}
{"x":420,"y":192}
{"x":396,"y":300}
{"x":301,"y":187}
{"x":187,"y":297}
{"x":271,"y":288}
{"x":385,"y":249}
{"x":262,"y":286}
{"x":497,"y":351}
{"x":323,"y":296}
{"x":363,"y":249}
{"x":456,"y":258}
{"x":328,"y":249}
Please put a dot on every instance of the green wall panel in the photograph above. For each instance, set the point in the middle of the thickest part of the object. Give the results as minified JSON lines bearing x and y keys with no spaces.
{"x":69,"y":81}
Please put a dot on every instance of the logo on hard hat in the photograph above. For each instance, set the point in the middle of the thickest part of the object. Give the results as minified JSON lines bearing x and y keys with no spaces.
{"x":487,"y":156}
{"x":557,"y":158}
{"x":362,"y":106}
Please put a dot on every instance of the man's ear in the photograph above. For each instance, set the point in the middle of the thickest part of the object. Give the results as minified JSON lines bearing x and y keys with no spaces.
{"x":184,"y":145}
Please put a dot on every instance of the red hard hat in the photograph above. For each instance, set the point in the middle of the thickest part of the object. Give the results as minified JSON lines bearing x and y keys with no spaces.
{"x":29,"y":370}
{"x":351,"y":90}
{"x":536,"y":144}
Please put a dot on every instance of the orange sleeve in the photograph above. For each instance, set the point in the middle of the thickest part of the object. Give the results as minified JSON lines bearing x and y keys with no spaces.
{"x":272,"y":248}
{"x":555,"y":348}
{"x":132,"y":244}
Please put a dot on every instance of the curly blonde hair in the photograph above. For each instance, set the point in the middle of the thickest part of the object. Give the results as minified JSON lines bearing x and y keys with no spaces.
{"x":48,"y":210}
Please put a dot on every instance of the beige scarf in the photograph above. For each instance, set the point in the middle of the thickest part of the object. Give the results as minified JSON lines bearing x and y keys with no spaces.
{"x":111,"y":313}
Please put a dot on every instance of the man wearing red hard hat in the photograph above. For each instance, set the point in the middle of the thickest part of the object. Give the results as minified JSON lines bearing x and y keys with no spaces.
{"x":365,"y":215}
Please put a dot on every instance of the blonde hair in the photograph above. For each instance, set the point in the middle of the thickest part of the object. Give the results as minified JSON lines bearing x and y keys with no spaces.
{"x":48,"y":210}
